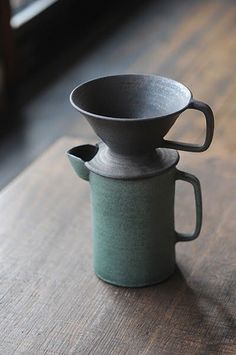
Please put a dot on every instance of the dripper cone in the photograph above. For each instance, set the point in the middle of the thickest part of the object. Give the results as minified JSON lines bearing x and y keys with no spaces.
{"x":131,"y":113}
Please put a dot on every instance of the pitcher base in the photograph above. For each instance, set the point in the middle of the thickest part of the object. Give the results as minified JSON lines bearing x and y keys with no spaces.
{"x":137,"y":285}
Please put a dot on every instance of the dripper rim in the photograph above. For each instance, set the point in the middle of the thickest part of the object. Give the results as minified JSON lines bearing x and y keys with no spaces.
{"x":126,"y":119}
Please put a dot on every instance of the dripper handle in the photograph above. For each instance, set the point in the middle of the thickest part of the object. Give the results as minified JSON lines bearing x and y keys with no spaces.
{"x":181,"y":175}
{"x":206,"y":110}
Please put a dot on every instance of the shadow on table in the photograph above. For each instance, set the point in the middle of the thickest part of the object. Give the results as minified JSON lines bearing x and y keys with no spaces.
{"x":177,"y":315}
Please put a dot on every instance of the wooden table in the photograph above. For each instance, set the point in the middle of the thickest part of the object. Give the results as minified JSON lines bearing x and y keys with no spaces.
{"x":52,"y":303}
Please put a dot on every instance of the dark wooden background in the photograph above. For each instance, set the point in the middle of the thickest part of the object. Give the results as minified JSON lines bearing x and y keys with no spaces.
{"x":191,"y":41}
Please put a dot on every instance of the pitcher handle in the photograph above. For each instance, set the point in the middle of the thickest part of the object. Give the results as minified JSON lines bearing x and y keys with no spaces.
{"x":181,"y":175}
{"x":206,"y":110}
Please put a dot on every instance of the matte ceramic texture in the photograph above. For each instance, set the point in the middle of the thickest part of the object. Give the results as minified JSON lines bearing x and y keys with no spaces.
{"x":133,"y":113}
{"x":133,"y":223}
{"x":132,"y":176}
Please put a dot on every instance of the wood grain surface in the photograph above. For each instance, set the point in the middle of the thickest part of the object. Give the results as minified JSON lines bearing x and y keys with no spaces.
{"x":51,"y":301}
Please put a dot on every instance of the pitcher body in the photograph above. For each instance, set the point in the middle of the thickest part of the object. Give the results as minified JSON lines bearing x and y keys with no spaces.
{"x":133,"y":229}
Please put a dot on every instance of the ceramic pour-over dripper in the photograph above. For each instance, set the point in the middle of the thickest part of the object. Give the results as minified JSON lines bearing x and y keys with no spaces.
{"x":133,"y":113}
{"x":132,"y":183}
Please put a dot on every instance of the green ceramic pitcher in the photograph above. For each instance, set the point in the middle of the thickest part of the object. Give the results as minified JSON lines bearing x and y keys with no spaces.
{"x":134,"y":233}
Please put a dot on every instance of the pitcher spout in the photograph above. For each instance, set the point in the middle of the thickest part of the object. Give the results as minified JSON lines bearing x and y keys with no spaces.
{"x":78,"y":156}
